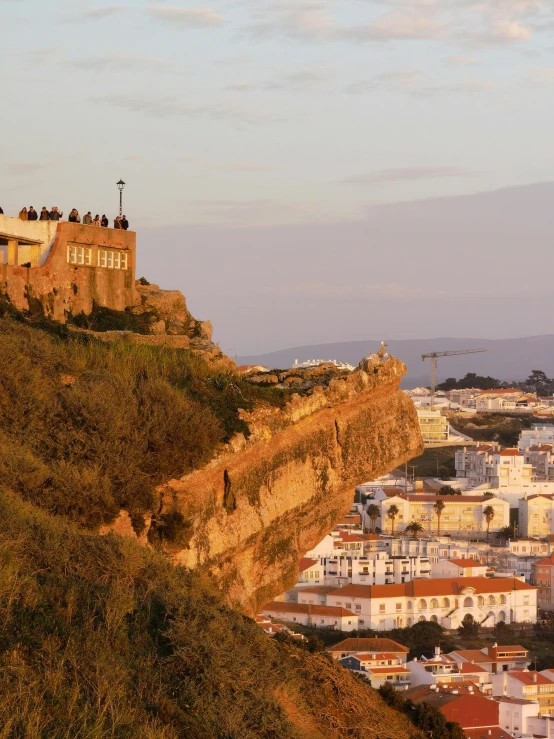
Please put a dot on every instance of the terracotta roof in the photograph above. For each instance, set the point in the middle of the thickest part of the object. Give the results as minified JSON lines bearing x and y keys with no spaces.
{"x":305,"y":608}
{"x":501,"y":391}
{"x":546,"y":561}
{"x":493,"y":651}
{"x":540,"y":495}
{"x":472,"y":711}
{"x":483,"y":448}
{"x":540,"y":448}
{"x":350,"y":519}
{"x":469,"y":667}
{"x":472,"y":655}
{"x":367,"y":644}
{"x":438,"y":586}
{"x":466,"y":562}
{"x":510,"y":453}
{"x":492,"y":732}
{"x":388,"y":670}
{"x":317,"y":589}
{"x":530,"y":677}
{"x":306,"y":563}
{"x":349,"y":538}
{"x":369,"y":656}
{"x":432,"y":498}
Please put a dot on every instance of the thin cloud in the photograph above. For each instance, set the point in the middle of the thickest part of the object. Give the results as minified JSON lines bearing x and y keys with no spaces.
{"x":407,"y":174}
{"x":172,"y":107}
{"x":187,"y":17}
{"x":94,"y":14}
{"x":302,"y":81}
{"x":121,"y":62}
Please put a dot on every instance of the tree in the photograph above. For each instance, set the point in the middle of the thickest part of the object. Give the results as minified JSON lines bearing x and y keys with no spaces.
{"x":392,"y":697}
{"x":392,"y":514}
{"x":488,"y":513}
{"x":448,"y":490}
{"x":471,"y":380}
{"x":414,"y":528}
{"x":373,"y":511}
{"x":469,"y":628}
{"x":538,"y":382}
{"x":439,"y":508}
{"x":508,"y":532}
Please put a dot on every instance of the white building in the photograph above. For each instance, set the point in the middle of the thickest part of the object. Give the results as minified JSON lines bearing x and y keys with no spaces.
{"x":379,"y":668}
{"x":541,"y":459}
{"x":525,"y":685}
{"x":461,"y":514}
{"x":445,"y":601}
{"x":455,"y":568}
{"x":539,"y":433}
{"x":443,"y":668}
{"x":320,"y":617}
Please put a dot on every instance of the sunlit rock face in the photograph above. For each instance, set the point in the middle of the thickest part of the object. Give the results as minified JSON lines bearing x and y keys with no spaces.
{"x":251,"y":514}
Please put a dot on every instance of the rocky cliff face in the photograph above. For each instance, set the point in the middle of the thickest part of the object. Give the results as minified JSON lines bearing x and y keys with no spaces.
{"x":250,"y":515}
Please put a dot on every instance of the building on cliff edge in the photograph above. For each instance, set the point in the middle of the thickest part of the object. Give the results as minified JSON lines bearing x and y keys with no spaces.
{"x":60,"y":268}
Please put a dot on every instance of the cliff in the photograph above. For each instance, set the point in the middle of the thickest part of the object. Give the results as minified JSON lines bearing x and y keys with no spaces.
{"x":253,"y":512}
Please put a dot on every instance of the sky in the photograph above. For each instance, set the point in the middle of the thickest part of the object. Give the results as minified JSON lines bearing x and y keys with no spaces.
{"x":270,"y":148}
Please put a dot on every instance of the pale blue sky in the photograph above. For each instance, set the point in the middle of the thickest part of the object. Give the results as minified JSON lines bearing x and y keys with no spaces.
{"x":270,"y":113}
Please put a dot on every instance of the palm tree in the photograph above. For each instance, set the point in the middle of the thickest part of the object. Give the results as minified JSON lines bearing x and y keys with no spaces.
{"x":414,"y":528}
{"x":439,"y":508}
{"x":488,"y":513}
{"x":392,"y":514}
{"x":373,"y":511}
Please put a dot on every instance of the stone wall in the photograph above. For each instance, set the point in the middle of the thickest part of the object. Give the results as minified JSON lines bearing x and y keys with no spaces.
{"x":58,"y":288}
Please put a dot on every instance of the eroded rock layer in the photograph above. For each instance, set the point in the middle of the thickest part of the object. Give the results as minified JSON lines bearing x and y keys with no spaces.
{"x":253,"y":512}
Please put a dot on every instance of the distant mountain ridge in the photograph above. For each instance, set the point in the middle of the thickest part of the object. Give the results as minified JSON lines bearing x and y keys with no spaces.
{"x":506,"y":359}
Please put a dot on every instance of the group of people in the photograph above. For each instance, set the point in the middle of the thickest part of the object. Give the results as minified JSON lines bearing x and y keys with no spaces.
{"x":55,"y":215}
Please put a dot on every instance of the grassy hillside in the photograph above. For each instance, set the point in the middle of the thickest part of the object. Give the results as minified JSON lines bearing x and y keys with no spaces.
{"x":88,"y":428}
{"x":102,"y":638}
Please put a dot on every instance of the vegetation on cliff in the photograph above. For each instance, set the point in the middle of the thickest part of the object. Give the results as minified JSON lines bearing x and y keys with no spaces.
{"x":88,"y":428}
{"x":103,"y":638}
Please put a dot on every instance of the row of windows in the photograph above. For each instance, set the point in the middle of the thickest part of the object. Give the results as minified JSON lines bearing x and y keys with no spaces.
{"x":109,"y":259}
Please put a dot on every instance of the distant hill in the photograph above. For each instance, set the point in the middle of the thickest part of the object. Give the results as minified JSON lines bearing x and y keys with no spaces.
{"x":506,"y":359}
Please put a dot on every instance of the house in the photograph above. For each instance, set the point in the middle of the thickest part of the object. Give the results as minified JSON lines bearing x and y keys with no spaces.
{"x":320,"y":617}
{"x":379,"y":668}
{"x":374,"y":644}
{"x":443,"y":600}
{"x":525,"y":685}
{"x":542,"y":577}
{"x":315,"y":595}
{"x":519,"y":716}
{"x":494,"y":659}
{"x":443,"y":668}
{"x":310,"y":572}
{"x":461,"y":514}
{"x":501,"y":399}
{"x":272,"y":629}
{"x":458,"y":568}
{"x":536,"y":515}
{"x":377,"y":568}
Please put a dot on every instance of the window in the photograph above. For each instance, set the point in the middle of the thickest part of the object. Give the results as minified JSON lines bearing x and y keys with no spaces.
{"x":79,"y":255}
{"x":399,"y":606}
{"x":348,"y":605}
{"x":111,"y":259}
{"x":381,"y":607}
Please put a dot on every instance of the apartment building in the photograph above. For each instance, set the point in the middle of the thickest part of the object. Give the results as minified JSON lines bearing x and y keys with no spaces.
{"x":542,"y":577}
{"x":539,"y":433}
{"x":541,"y":459}
{"x":526,"y":685}
{"x":434,"y":427}
{"x":462,"y":514}
{"x":536,"y":515}
{"x":320,"y":617}
{"x":377,"y":568}
{"x":458,"y":568}
{"x":442,"y":600}
{"x":487,"y":464}
{"x":379,"y":668}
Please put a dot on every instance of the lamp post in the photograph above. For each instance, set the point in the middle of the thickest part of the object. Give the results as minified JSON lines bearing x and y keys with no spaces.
{"x":120,"y":186}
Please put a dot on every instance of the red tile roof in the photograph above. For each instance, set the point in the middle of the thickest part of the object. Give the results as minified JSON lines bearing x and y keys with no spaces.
{"x":501,"y":391}
{"x":317,"y":589}
{"x":510,"y":453}
{"x":371,"y":656}
{"x":388,"y":670}
{"x":368,"y":644}
{"x":432,"y":498}
{"x":430,"y":587}
{"x":466,"y":562}
{"x":495,"y":651}
{"x":471,"y":711}
{"x":489,"y":732}
{"x":470,"y":667}
{"x":305,"y":608}
{"x":349,"y":538}
{"x":306,"y":563}
{"x":530,"y":677}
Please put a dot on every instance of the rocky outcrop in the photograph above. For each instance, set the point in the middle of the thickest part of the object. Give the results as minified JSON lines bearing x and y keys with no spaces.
{"x":168,"y":313}
{"x":252,"y":513}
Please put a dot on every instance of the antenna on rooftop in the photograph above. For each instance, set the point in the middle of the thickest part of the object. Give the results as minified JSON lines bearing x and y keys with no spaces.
{"x":433,"y":356}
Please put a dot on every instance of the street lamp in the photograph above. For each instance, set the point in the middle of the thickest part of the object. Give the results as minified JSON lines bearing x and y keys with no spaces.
{"x":120,"y":186}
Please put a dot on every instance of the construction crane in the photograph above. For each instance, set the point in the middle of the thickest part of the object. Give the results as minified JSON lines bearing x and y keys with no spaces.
{"x":433,"y":356}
